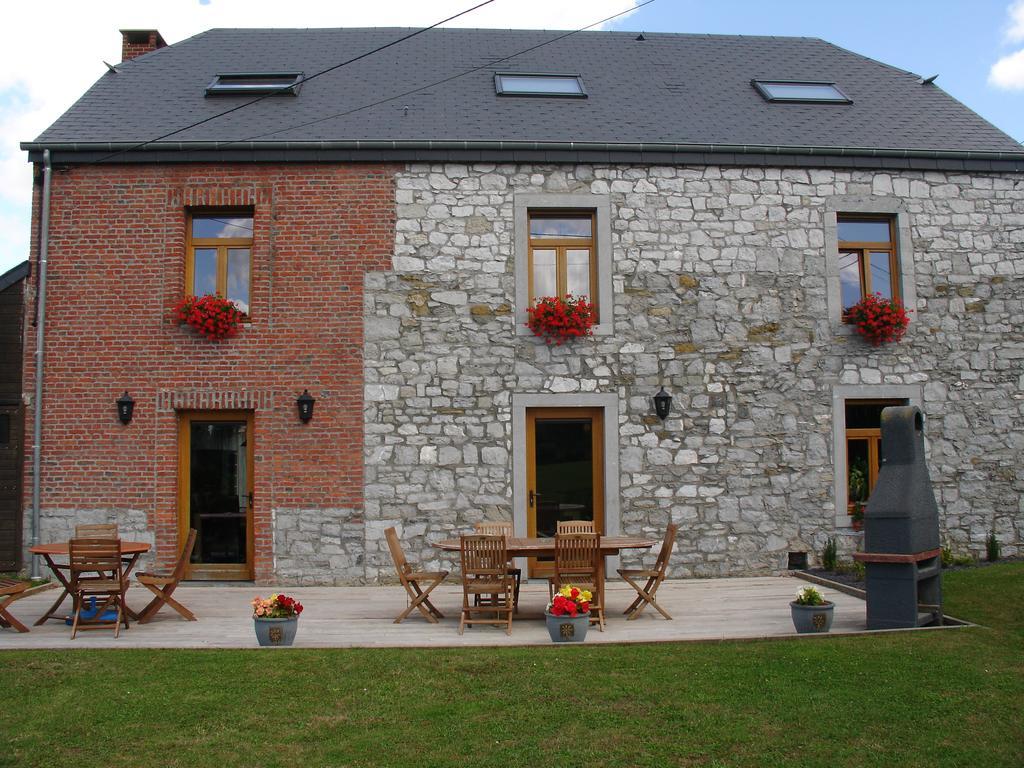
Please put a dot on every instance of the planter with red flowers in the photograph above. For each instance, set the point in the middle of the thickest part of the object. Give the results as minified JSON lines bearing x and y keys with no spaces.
{"x":276,"y":618}
{"x":558,"y":319}
{"x":879,"y":320}
{"x":568,"y":614}
{"x":211,"y":316}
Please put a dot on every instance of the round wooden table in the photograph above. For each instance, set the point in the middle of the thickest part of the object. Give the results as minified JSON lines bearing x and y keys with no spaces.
{"x":132,"y":550}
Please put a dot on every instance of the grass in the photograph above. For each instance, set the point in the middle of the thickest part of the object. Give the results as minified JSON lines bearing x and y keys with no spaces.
{"x":946,"y":698}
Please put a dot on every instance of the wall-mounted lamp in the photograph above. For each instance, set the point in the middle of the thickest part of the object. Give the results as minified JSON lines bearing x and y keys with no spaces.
{"x":305,"y":403}
{"x":125,"y":407}
{"x":662,"y":404}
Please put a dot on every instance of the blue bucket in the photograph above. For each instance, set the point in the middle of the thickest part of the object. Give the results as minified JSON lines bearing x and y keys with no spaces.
{"x":89,"y":614}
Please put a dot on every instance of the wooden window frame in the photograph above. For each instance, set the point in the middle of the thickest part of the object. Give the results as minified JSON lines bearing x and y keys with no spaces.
{"x":873,"y":436}
{"x":864,"y":251}
{"x":560,"y":246}
{"x":222,"y":245}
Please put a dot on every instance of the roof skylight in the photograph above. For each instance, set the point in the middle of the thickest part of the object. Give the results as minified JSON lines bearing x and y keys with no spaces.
{"x":537,"y":84}
{"x":801,"y":91}
{"x":255,"y":84}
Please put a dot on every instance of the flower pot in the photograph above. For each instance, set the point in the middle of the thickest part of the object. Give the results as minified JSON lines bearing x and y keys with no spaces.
{"x":811,"y":618}
{"x":276,"y":632}
{"x":567,"y":629}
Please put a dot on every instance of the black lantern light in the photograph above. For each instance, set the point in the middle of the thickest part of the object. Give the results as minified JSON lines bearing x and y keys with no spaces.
{"x":305,"y":403}
{"x":125,"y":407}
{"x":662,"y":404}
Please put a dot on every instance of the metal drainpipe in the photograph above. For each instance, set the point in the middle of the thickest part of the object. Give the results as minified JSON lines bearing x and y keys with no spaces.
{"x":37,"y":411}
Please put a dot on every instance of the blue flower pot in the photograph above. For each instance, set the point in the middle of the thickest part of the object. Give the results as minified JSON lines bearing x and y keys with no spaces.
{"x":276,"y":632}
{"x":811,"y":618}
{"x":566,"y":629}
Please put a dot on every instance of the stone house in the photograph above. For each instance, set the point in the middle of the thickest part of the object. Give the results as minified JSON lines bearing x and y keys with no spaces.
{"x":385,"y":226}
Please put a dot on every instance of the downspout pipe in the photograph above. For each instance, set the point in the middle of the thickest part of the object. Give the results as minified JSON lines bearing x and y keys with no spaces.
{"x":37,"y":401}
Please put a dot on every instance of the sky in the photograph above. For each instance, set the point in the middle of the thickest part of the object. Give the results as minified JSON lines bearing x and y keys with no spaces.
{"x":51,"y":52}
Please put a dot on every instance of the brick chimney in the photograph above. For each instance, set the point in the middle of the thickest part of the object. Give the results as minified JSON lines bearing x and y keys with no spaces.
{"x":135,"y":42}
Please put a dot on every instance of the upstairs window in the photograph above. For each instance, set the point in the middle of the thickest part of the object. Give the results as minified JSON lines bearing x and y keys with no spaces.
{"x":219,"y":259}
{"x":562,"y":255}
{"x":255,"y":84}
{"x":800,"y":91}
{"x":516,"y":84}
{"x":867,"y":258}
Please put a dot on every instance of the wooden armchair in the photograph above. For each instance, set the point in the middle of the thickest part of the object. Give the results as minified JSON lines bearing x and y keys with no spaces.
{"x":485,"y":573}
{"x":162,"y":586}
{"x":578,"y":562}
{"x":96,"y":572}
{"x":654,"y":576}
{"x":503,"y":529}
{"x":10,"y":590}
{"x":413,"y":581}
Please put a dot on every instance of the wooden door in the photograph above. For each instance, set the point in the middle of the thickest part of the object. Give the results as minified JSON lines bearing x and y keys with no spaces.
{"x":564,"y":472}
{"x":215,"y":496}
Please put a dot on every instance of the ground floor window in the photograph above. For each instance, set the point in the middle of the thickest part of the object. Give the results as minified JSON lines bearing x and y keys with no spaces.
{"x":863,"y":449}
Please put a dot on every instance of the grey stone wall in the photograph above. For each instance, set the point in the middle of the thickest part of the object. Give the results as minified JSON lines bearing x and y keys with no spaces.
{"x":720,"y":293}
{"x":318,"y":546}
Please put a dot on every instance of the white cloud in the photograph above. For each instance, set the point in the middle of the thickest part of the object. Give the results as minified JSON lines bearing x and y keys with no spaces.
{"x":44,"y":68}
{"x":1008,"y":72}
{"x":1015,"y":30}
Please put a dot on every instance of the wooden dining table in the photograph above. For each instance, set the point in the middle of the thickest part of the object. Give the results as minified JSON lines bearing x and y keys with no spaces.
{"x":545,"y":547}
{"x":131,"y":550}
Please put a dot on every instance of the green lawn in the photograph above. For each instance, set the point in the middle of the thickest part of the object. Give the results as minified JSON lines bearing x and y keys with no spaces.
{"x":948,"y":698}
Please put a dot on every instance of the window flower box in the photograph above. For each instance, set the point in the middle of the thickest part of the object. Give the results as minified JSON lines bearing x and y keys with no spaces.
{"x":211,"y":316}
{"x":879,"y":320}
{"x":559,"y":319}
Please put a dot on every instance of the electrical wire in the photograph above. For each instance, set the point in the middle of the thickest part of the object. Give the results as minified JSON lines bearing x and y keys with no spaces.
{"x":289,"y":87}
{"x":438,"y":82}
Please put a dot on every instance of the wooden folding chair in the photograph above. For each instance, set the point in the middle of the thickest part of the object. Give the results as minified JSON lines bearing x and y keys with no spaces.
{"x":654,"y":576}
{"x":96,"y":572}
{"x":569,"y":526}
{"x":10,"y":590}
{"x":162,"y":586}
{"x":411,"y":580}
{"x":101,"y":531}
{"x":503,"y":529}
{"x":578,"y":562}
{"x":96,"y":531}
{"x":485,"y":572}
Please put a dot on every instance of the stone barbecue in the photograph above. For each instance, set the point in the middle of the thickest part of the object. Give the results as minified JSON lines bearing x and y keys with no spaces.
{"x":902,"y":561}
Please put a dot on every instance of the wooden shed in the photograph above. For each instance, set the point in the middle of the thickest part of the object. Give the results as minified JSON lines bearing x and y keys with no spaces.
{"x":12,"y":414}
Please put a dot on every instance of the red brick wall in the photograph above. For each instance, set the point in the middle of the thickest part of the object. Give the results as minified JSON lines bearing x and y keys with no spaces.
{"x":133,"y":45}
{"x":116,"y":268}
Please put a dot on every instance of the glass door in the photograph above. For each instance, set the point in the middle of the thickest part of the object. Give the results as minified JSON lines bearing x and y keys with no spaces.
{"x":215,"y":493}
{"x":564,"y":472}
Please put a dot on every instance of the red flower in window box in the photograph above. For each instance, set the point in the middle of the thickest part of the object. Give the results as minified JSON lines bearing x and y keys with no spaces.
{"x":879,"y":320}
{"x":558,"y":319}
{"x":214,"y":317}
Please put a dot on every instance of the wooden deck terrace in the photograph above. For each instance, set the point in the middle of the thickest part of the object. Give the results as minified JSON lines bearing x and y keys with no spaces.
{"x":362,"y":617}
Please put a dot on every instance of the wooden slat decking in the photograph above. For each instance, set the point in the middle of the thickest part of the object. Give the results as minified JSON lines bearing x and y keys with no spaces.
{"x":343,"y":617}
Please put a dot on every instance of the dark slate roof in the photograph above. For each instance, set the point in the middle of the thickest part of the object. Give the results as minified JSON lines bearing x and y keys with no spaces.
{"x":669,"y":90}
{"x":13,"y":275}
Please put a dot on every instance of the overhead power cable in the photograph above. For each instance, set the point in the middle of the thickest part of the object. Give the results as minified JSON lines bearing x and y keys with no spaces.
{"x":289,"y":86}
{"x":448,"y":79}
